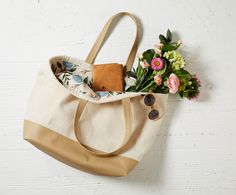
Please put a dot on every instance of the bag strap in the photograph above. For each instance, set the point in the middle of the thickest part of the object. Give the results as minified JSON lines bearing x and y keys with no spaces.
{"x":101,"y":38}
{"x":130,"y":136}
{"x":128,"y":133}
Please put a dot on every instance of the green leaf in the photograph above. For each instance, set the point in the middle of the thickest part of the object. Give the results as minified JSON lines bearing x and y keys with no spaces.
{"x":148,"y":77}
{"x":169,"y":36}
{"x":141,"y":81}
{"x":176,"y":45}
{"x":168,"y":48}
{"x":131,"y":89}
{"x":183,"y":74}
{"x":146,"y":88}
{"x":131,"y":74}
{"x":156,"y":55}
{"x":139,"y":72}
{"x":148,"y":55}
{"x":161,"y":89}
{"x":163,"y":39}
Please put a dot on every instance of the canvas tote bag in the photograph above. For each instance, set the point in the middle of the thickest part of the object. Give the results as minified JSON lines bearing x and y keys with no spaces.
{"x":104,"y":133}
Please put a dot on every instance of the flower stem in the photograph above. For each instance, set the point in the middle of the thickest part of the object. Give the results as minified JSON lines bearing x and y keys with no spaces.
{"x":144,"y":89}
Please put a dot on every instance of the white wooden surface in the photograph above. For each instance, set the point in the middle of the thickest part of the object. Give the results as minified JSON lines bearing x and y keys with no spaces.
{"x":195,"y":153}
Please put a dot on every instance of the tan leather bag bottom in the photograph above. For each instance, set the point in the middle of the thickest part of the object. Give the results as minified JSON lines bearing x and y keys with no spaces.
{"x":72,"y":154}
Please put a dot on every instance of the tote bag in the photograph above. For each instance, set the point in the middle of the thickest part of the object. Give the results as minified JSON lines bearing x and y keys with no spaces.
{"x":105,"y":133}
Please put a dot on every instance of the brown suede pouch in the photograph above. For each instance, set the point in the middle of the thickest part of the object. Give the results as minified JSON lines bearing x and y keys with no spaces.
{"x":108,"y":77}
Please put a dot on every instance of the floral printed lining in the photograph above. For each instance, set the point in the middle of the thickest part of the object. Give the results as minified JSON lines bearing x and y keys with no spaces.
{"x":76,"y":75}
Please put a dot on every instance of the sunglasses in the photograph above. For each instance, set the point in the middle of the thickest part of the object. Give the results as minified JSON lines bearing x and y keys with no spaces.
{"x":149,"y":100}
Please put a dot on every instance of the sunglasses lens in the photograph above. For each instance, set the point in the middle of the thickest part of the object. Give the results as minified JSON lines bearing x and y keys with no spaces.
{"x":153,"y":115}
{"x":149,"y":100}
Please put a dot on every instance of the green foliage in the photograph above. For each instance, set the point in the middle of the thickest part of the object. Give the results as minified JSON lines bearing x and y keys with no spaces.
{"x":145,"y":82}
{"x":148,"y":55}
{"x":189,"y":87}
{"x":168,"y":47}
{"x":131,"y":74}
{"x":163,"y":39}
{"x":168,"y":36}
{"x":166,"y":40}
{"x":184,"y":74}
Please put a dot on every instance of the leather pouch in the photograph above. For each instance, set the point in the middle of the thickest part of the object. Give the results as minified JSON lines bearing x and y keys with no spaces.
{"x":108,"y":77}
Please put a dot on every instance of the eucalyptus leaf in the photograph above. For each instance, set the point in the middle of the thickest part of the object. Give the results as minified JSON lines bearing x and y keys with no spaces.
{"x":68,"y":65}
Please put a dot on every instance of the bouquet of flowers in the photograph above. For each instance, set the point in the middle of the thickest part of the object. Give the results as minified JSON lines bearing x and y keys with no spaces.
{"x":161,"y":70}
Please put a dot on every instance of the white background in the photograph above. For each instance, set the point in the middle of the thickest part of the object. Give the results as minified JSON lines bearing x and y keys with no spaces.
{"x":194,"y":153}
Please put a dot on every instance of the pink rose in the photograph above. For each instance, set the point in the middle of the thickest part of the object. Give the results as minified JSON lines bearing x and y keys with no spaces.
{"x":173,"y":83}
{"x":158,"y":80}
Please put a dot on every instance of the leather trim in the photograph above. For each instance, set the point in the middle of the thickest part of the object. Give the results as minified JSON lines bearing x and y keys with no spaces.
{"x":73,"y":154}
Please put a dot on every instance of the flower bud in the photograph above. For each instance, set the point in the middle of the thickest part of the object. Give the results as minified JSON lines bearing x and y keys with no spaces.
{"x":158,"y":80}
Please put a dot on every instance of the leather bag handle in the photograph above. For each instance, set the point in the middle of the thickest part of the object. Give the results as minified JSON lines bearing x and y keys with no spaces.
{"x":101,"y":38}
{"x":125,"y":102}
